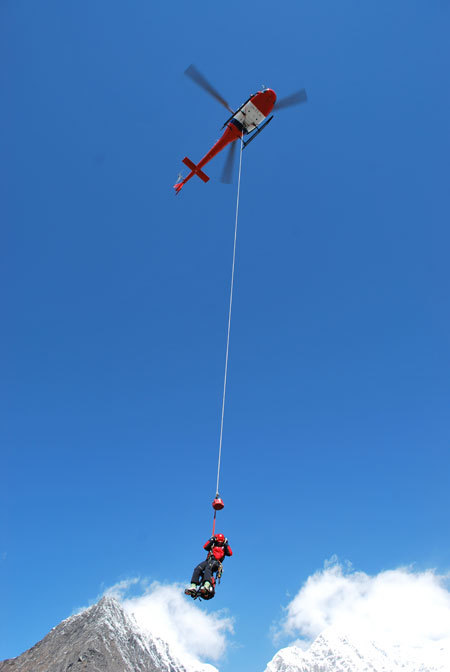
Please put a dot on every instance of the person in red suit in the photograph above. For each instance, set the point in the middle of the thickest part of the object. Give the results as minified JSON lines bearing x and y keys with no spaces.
{"x":202,"y":582}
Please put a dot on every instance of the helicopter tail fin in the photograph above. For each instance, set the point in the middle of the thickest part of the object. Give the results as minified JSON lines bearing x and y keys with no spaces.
{"x":194,"y":171}
{"x":190,"y":164}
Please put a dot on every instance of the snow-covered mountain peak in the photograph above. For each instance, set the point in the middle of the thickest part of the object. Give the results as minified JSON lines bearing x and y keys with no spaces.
{"x":105,"y":638}
{"x":107,"y":611}
{"x":336,"y":651}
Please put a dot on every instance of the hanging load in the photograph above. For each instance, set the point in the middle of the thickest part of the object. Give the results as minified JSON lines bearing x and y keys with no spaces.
{"x":205,"y":575}
{"x":208,"y":572}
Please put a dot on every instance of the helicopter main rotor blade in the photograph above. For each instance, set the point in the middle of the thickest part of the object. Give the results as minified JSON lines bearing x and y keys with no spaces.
{"x":294,"y":99}
{"x":227,"y":172}
{"x":199,"y":79}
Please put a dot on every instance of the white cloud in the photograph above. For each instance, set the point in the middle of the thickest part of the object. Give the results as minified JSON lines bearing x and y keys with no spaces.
{"x":120,"y":589}
{"x":162,"y":609}
{"x":399,"y":607}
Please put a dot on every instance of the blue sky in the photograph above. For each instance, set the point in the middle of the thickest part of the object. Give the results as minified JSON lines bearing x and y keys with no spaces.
{"x":115,"y":295}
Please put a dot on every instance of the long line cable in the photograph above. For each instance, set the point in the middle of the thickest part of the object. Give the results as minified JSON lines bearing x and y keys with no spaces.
{"x":229,"y":317}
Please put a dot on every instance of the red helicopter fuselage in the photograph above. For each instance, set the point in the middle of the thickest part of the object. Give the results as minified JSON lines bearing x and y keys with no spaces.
{"x":248,"y":117}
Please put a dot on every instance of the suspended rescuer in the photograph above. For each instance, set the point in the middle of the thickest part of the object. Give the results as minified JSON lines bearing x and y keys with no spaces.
{"x":203,"y":582}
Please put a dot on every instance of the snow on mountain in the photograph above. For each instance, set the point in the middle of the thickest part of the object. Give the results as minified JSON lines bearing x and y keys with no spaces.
{"x":102,"y":638}
{"x":333,"y":651}
{"x":105,"y":638}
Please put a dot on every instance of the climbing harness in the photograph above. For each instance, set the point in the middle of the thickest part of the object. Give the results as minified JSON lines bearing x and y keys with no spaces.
{"x":218,"y":502}
{"x":219,"y":572}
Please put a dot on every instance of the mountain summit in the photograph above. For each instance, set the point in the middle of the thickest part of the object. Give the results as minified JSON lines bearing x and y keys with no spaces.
{"x":105,"y":638}
{"x":334,"y":651}
{"x":102,"y":638}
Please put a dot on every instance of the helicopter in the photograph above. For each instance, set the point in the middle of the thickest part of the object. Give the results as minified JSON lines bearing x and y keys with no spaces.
{"x":249,"y":119}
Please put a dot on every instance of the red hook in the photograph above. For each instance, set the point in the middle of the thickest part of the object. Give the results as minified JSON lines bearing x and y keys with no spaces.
{"x":218,"y":503}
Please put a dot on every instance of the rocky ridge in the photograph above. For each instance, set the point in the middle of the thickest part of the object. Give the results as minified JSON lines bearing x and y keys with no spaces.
{"x":102,"y":638}
{"x":334,"y":651}
{"x":105,"y":638}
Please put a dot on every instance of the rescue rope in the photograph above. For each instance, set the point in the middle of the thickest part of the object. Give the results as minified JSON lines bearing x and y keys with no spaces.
{"x":229,"y":324}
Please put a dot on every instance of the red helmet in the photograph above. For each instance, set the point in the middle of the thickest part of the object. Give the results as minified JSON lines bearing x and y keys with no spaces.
{"x":220,"y":538}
